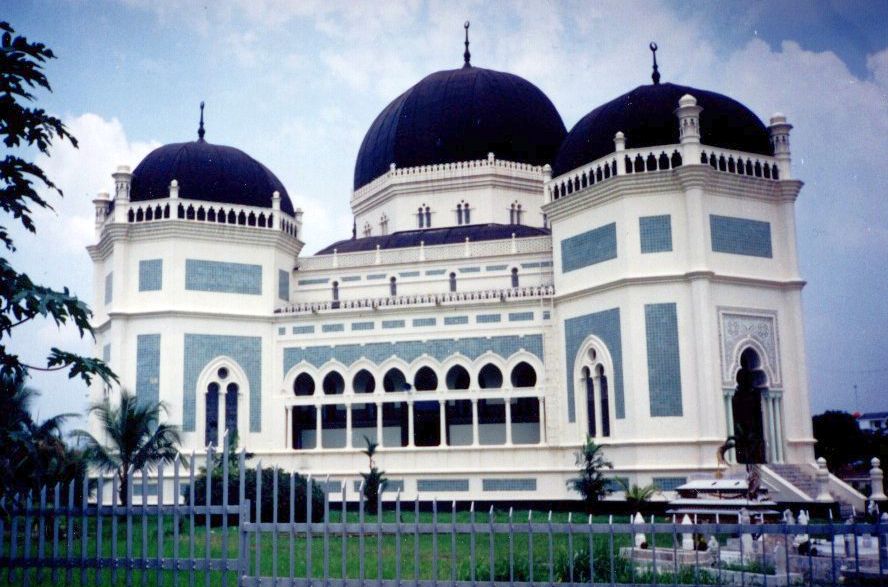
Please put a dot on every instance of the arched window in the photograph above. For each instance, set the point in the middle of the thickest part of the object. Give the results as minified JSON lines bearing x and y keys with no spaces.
{"x":335,"y":292}
{"x":420,"y":217}
{"x":425,"y":380}
{"x":457,"y":378}
{"x":512,"y":214}
{"x":518,"y":214}
{"x":591,"y":429}
{"x":459,"y":217}
{"x":428,"y":217}
{"x":453,"y":282}
{"x":383,"y":225}
{"x":231,"y":393}
{"x":514,"y":277}
{"x":333,"y":384}
{"x":466,"y":211}
{"x":364,"y":382}
{"x":368,"y":230}
{"x":394,"y":381}
{"x":523,"y":375}
{"x":393,"y":286}
{"x":604,"y":402}
{"x":211,"y":430}
{"x":490,"y":377}
{"x":304,"y":385}
{"x":746,"y":409}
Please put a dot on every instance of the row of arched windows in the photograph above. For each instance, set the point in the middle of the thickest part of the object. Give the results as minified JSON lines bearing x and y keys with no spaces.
{"x":523,"y":375}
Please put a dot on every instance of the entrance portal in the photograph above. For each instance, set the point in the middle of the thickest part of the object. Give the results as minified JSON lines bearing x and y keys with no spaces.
{"x":746,"y":405}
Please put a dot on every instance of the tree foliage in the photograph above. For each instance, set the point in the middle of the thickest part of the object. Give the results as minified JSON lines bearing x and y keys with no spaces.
{"x":24,"y":128}
{"x":591,"y":483}
{"x":136,"y":438}
{"x":374,"y":479}
{"x":844,"y":445}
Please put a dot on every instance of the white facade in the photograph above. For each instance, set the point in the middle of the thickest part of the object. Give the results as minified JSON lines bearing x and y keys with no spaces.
{"x":632,"y":314}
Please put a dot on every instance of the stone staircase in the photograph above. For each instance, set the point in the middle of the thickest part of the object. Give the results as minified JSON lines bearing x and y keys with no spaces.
{"x":800,"y":476}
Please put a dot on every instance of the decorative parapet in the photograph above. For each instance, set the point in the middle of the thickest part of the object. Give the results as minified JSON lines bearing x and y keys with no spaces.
{"x":452,"y":298}
{"x":174,"y":208}
{"x":458,"y":169}
{"x":468,"y":249}
{"x":634,"y":161}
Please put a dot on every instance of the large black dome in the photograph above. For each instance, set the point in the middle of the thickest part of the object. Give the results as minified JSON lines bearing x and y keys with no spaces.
{"x":646,"y":116}
{"x":207,"y":172}
{"x":461,"y":115}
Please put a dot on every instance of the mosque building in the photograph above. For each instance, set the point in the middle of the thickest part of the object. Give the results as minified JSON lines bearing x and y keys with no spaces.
{"x":508,"y":290}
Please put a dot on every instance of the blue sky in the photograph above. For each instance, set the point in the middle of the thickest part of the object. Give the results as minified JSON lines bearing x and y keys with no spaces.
{"x":296,"y":85}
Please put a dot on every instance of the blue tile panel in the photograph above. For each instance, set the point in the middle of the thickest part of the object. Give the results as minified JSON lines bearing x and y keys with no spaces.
{"x":376,"y":276}
{"x":351,"y":278}
{"x":109,"y":287}
{"x":535,"y":265}
{"x":316,"y":281}
{"x":150,"y":275}
{"x":616,"y":483}
{"x":362,"y":326}
{"x":589,"y":248}
{"x":442,"y":485}
{"x":469,"y":269}
{"x":393,"y":324}
{"x":148,"y":368}
{"x":328,"y":486}
{"x":606,"y":326}
{"x":283,"y":285}
{"x":332,"y":327}
{"x":529,"y":484}
{"x":223,"y":277}
{"x":391,"y":486}
{"x":106,"y":353}
{"x":282,"y":331}
{"x":200,"y":349}
{"x":669,"y":483}
{"x":455,"y":320}
{"x":303,"y":329}
{"x":663,"y":359}
{"x":420,"y":322}
{"x":740,"y":236}
{"x":655,"y":233}
{"x":547,"y":315}
{"x":496,"y":267}
{"x":487,"y":318}
{"x":409,"y":351}
{"x":408,"y":274}
{"x":436,"y":272}
{"x":546,"y":264}
{"x":520,"y":316}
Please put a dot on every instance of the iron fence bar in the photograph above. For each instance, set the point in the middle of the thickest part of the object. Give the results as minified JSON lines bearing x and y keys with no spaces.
{"x":551,"y":551}
{"x":84,"y":529}
{"x":591,"y":552}
{"x":326,"y":530}
{"x":226,"y":453}
{"x":472,"y":543}
{"x":344,"y":557}
{"x":114,"y":499}
{"x":144,"y":512}
{"x":610,"y":541}
{"x":26,"y":577}
{"x":379,"y":535}
{"x":192,"y":495}
{"x":292,"y":531}
{"x":511,"y":551}
{"x":453,"y":541}
{"x":41,"y":528}
{"x":361,"y":532}
{"x":209,"y":462}
{"x":856,"y":548}
{"x":674,"y":554}
{"x":570,"y":560}
{"x":158,"y":577}
{"x":416,"y":573}
{"x":434,"y":542}
{"x":176,"y":494}
{"x":258,"y":536}
{"x":530,"y":546}
{"x":632,"y":552}
{"x":653,"y":549}
{"x":491,"y":548}
{"x":13,"y":541}
{"x":56,"y":498}
{"x":274,"y":519}
{"x":100,"y":490}
{"x":697,"y":553}
{"x":69,"y":538}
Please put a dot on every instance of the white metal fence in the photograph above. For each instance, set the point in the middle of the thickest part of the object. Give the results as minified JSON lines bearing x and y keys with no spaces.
{"x":211,"y":525}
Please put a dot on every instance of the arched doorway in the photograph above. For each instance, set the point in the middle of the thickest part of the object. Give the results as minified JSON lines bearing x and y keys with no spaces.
{"x":746,"y":405}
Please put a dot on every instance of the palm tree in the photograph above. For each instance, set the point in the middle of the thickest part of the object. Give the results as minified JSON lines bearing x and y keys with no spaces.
{"x":137,"y":439}
{"x":374,"y":479}
{"x":591,"y":483}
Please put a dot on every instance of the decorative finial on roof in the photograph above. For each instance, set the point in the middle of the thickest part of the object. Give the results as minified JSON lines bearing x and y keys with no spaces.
{"x":656,"y":75}
{"x":200,"y":129}
{"x":467,"y":56}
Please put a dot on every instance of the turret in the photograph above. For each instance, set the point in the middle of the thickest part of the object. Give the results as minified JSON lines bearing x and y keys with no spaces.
{"x":779,"y":131}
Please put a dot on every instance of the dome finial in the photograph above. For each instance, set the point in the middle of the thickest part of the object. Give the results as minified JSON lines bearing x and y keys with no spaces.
{"x":200,"y":129}
{"x":467,"y":56}
{"x":656,"y":75}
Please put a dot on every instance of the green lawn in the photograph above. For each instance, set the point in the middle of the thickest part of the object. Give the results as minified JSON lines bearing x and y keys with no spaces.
{"x":441,"y":556}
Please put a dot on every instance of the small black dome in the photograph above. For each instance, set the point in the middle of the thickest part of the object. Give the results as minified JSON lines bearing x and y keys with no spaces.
{"x":207,"y":172}
{"x":646,"y":116}
{"x":461,"y":115}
